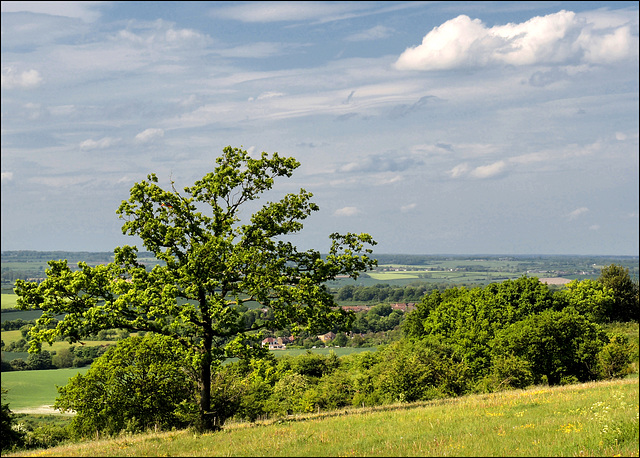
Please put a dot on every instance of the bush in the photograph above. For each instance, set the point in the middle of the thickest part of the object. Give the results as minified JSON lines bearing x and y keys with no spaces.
{"x":507,"y":371}
{"x":141,"y":383}
{"x":556,"y":344}
{"x":614,"y":360}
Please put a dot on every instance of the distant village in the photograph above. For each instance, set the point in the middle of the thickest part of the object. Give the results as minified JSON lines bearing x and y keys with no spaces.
{"x":280,"y":343}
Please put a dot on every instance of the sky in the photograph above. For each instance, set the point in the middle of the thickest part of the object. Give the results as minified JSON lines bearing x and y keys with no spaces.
{"x":437,"y":127}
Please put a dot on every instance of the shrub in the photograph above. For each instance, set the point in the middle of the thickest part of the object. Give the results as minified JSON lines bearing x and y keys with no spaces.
{"x":138,"y":384}
{"x":556,"y":344}
{"x":614,"y":360}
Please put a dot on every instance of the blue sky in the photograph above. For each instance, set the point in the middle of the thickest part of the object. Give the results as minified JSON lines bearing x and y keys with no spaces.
{"x":437,"y":127}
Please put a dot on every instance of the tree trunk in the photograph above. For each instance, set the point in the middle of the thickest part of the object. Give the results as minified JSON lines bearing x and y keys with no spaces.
{"x":206,"y":416}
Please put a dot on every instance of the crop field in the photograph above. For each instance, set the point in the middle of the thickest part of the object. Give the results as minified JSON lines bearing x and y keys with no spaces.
{"x":9,"y":300}
{"x":29,"y":391}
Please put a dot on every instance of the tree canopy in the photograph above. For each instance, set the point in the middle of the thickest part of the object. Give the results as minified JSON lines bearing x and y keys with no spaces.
{"x":213,"y":263}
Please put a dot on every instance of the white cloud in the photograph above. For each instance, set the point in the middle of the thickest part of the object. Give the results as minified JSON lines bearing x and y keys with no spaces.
{"x":82,"y":10}
{"x":98,"y":144}
{"x":459,"y":170}
{"x":409,"y":207}
{"x":594,"y":227}
{"x":26,"y":79}
{"x":269,"y":95}
{"x":577,"y":212}
{"x":281,"y":11}
{"x":149,"y":135}
{"x":346,"y":211}
{"x":562,"y":37}
{"x":7,"y":176}
{"x":374,"y":33}
{"x":489,"y":171}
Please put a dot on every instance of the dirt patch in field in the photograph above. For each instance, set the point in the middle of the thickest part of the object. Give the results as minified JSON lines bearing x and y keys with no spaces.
{"x":44,"y":409}
{"x":554,"y":280}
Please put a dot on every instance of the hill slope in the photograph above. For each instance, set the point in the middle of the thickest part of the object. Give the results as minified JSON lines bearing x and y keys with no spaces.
{"x":591,"y":419}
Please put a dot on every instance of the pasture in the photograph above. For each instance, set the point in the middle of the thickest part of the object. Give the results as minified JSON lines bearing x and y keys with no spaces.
{"x":29,"y":391}
{"x":9,"y":301}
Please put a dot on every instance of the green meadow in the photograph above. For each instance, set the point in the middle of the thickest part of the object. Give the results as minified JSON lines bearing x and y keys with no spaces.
{"x":590,"y":419}
{"x":29,"y":390}
{"x":9,"y":300}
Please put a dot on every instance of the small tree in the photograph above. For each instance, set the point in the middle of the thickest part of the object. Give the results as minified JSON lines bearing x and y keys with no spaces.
{"x":212,"y":264}
{"x":626,"y":305}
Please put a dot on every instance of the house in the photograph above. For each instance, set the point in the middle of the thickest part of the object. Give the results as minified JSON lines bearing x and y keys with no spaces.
{"x":327,"y":337}
{"x":277,"y":343}
{"x":403,"y":307}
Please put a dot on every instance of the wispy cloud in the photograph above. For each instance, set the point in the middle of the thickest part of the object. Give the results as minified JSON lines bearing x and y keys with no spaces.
{"x":562,"y":37}
{"x":388,"y":162}
{"x":282,"y":11}
{"x":87,"y":11}
{"x":149,"y":135}
{"x":346,"y":211}
{"x":374,"y":33}
{"x":6,"y":176}
{"x":103,"y":143}
{"x":577,"y":213}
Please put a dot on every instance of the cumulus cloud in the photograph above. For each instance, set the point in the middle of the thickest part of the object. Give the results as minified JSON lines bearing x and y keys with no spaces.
{"x":14,"y":79}
{"x":7,"y":176}
{"x":149,"y":135}
{"x":346,"y":211}
{"x":406,"y":208}
{"x":98,"y":144}
{"x":577,"y":212}
{"x":562,"y":37}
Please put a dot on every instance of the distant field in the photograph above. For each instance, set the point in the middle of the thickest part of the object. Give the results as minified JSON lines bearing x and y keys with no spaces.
{"x":9,"y":300}
{"x":29,"y":390}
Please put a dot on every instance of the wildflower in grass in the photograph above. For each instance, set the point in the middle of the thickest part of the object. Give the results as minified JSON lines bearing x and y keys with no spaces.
{"x":570,"y":427}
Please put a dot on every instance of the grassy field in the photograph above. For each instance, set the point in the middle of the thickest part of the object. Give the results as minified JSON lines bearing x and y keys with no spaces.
{"x":30,"y":390}
{"x":8,"y":300}
{"x":592,"y":419}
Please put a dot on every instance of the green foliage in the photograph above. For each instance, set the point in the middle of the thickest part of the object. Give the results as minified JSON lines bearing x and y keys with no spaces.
{"x":420,"y":371}
{"x":590,"y":298}
{"x":39,"y":361}
{"x":211,"y":263}
{"x":468,"y":319}
{"x":11,"y":436}
{"x":614,"y":360}
{"x":626,"y":306}
{"x":558,"y":345}
{"x":138,"y":384}
{"x":506,"y":372}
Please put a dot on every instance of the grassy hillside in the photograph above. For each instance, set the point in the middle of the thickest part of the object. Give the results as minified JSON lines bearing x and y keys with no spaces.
{"x":592,"y":419}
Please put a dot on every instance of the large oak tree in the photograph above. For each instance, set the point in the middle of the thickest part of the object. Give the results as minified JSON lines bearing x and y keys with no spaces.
{"x":212,"y":263}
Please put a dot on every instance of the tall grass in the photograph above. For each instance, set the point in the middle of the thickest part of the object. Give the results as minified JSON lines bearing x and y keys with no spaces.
{"x":591,"y":419}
